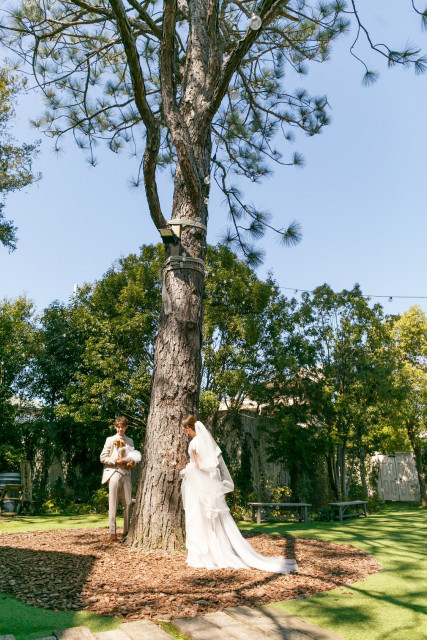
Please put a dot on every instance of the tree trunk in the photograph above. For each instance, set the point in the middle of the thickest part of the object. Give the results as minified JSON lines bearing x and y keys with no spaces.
{"x":351,"y":472}
{"x":418,"y":462}
{"x":337,"y":471}
{"x":344,"y":490}
{"x":331,"y":475}
{"x":158,"y":518}
{"x":363,"y":471}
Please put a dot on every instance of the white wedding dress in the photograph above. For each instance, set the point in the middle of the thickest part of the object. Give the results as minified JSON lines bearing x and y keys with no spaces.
{"x":213,"y":540}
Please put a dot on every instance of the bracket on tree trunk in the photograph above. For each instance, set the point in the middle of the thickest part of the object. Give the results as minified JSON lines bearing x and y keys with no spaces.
{"x":184,"y":262}
{"x":184,"y":222}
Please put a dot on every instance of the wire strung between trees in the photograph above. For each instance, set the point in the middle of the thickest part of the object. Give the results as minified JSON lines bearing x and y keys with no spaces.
{"x":368,"y":295}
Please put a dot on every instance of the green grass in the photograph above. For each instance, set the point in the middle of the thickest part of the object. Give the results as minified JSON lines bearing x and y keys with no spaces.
{"x":27,"y":623}
{"x":172,"y":631}
{"x":390,"y":605}
{"x":46,"y":523}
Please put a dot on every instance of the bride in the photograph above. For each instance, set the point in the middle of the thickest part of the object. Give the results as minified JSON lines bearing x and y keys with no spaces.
{"x":212,"y":537}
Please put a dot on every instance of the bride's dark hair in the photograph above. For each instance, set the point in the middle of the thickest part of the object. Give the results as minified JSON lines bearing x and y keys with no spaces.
{"x":189,"y":421}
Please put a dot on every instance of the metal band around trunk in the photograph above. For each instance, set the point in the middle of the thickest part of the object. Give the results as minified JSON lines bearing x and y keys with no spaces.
{"x":184,"y":262}
{"x":183,"y":222}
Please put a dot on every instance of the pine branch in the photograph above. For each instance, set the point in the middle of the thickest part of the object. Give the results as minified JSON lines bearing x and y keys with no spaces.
{"x":177,"y":126}
{"x":230,"y":65}
{"x":153,"y":133}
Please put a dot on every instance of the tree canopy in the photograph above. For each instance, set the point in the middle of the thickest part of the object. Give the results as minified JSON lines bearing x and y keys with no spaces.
{"x":162,"y":78}
{"x":15,"y":161}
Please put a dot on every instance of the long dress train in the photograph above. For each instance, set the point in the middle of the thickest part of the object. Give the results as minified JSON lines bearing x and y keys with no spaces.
{"x":213,"y":540}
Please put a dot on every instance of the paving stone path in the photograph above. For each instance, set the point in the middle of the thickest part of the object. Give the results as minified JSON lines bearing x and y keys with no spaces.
{"x":234,"y":623}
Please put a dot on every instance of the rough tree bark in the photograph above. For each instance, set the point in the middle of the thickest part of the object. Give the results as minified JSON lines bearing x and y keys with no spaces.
{"x":418,"y":462}
{"x":362,"y":457}
{"x":158,"y":516}
{"x":158,"y":520}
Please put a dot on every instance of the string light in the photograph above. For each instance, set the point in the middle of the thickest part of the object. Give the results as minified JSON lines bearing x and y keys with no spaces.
{"x":368,"y":295}
{"x":255,"y":22}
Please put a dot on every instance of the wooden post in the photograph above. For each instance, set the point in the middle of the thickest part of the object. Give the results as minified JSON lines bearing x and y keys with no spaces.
{"x":27,"y":485}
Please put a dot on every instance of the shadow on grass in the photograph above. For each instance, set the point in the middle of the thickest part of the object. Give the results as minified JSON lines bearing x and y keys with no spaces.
{"x":26,"y":622}
{"x":392,"y":603}
{"x":49,"y":585}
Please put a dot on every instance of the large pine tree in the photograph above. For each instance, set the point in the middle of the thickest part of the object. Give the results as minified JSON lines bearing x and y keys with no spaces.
{"x":199,"y":85}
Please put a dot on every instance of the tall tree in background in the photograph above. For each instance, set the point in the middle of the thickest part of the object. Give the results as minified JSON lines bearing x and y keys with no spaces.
{"x":410,"y":333}
{"x":15,"y":162}
{"x":17,"y":336}
{"x":93,"y":361}
{"x":197,"y":84}
{"x":354,"y":354}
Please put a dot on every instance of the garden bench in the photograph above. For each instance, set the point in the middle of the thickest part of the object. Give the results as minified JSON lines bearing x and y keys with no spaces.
{"x":299,"y":509}
{"x":359,"y":509}
{"x":14,"y":488}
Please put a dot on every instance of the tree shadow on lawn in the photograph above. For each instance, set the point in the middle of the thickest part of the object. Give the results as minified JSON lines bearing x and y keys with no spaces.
{"x":355,"y":622}
{"x":390,"y":601}
{"x":25,"y":621}
{"x":45,"y":579}
{"x":113,"y":579}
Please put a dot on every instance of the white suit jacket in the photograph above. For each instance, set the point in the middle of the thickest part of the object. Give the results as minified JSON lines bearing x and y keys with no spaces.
{"x":108,"y":457}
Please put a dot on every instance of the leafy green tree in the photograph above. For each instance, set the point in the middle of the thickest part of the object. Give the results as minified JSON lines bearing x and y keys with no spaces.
{"x":292,"y":395}
{"x":352,"y":349}
{"x":56,"y":358}
{"x":15,"y":161}
{"x":236,"y":332}
{"x":237,"y":305}
{"x":94,"y":362}
{"x":198,"y":85}
{"x":119,"y":316}
{"x":16,"y":345}
{"x":332,"y":368}
{"x":410,"y":334}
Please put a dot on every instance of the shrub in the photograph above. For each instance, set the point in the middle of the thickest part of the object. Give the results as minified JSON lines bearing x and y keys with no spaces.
{"x":99,"y":500}
{"x":324,"y":514}
{"x":375,"y":503}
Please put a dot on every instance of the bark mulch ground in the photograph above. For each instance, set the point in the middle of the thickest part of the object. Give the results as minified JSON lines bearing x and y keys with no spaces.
{"x":80,"y":569}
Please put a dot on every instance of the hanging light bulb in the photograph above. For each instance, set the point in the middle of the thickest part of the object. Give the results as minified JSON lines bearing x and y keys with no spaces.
{"x":207,"y":180}
{"x":206,"y":200}
{"x":234,"y":93}
{"x":255,"y":22}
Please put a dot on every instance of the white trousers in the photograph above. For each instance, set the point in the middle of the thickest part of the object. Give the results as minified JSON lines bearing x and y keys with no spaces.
{"x":119,"y":485}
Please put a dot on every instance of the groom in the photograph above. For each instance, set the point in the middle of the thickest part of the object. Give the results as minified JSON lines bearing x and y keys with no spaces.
{"x":118,"y":478}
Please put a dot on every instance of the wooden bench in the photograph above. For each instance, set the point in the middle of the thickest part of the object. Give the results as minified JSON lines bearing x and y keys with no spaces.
{"x":342,"y":506}
{"x":299,"y":509}
{"x":15,"y":488}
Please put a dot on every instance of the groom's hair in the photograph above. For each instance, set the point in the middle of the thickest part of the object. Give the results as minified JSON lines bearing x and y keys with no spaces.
{"x":121,"y":420}
{"x":189,"y":421}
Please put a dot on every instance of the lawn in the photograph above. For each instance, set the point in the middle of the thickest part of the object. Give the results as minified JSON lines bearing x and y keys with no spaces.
{"x":26,"y":622}
{"x":390,"y":605}
{"x":46,"y":523}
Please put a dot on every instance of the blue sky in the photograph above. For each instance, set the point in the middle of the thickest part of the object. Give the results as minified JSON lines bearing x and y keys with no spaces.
{"x":361,"y":198}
